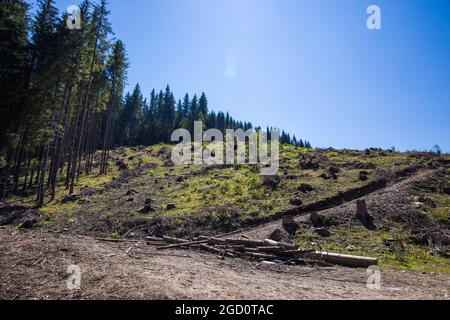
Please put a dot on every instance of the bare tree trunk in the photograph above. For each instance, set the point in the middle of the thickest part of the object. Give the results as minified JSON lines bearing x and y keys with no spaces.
{"x":27,"y":168}
{"x":30,"y":183}
{"x":41,"y":155}
{"x":59,"y":144}
{"x":73,"y":139}
{"x":79,"y":137}
{"x":18,"y":159}
{"x":43,"y":168}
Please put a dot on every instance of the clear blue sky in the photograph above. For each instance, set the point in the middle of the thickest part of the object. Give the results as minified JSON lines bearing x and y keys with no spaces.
{"x":310,"y":67}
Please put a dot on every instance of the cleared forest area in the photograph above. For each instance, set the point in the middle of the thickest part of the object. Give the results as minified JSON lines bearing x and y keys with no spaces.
{"x":145,"y":203}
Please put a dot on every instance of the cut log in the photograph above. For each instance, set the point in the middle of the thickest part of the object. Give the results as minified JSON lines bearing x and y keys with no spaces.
{"x":282,"y":245}
{"x":215,"y":241}
{"x":270,"y":243}
{"x":217,"y":251}
{"x":174,"y":240}
{"x":244,"y":242}
{"x":154,"y":238}
{"x":178,"y":245}
{"x":255,"y":250}
{"x":342,"y":259}
{"x":262,"y":256}
{"x":230,"y":247}
{"x":274,"y":249}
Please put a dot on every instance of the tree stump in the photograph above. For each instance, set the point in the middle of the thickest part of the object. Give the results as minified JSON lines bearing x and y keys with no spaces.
{"x":279,"y":235}
{"x":362,"y":214}
{"x":290,"y":225}
{"x":315,"y":220}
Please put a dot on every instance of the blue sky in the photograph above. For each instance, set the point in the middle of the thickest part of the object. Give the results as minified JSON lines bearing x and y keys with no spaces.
{"x":310,"y":67}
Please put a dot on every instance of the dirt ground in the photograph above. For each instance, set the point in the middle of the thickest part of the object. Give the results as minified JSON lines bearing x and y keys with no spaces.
{"x":34,"y":264}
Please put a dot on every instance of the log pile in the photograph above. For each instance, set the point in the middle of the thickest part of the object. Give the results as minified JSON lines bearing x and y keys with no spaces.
{"x":265,"y":250}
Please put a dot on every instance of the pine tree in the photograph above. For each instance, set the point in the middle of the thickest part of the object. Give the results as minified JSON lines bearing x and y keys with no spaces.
{"x":193,"y":113}
{"x":186,"y":107}
{"x":116,"y":72}
{"x":203,"y":104}
{"x":168,"y":115}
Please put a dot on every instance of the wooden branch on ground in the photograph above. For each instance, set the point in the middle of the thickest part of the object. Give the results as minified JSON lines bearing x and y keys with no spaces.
{"x":247,"y":243}
{"x":178,"y":245}
{"x":174,"y":240}
{"x":154,"y":238}
{"x":125,"y":240}
{"x":262,"y":256}
{"x":217,"y":251}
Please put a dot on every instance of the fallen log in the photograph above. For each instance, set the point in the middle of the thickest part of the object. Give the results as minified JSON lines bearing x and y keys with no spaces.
{"x":174,"y":240}
{"x":273,"y":249}
{"x":247,"y":249}
{"x":262,"y":256}
{"x":156,"y":243}
{"x":272,"y":243}
{"x":154,"y":238}
{"x":178,"y":245}
{"x":244,"y":242}
{"x":217,"y":251}
{"x":342,"y":259}
{"x":230,"y":247}
{"x":215,"y":241}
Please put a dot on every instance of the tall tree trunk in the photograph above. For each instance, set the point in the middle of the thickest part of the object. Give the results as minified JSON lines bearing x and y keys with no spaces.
{"x":18,"y":159}
{"x":27,"y":168}
{"x":43,"y":168}
{"x":74,"y":137}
